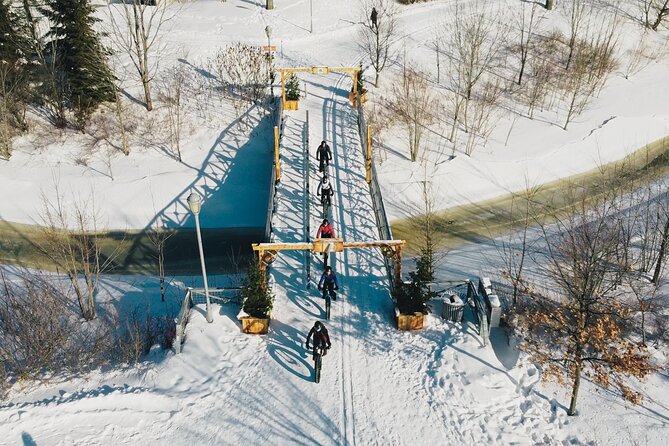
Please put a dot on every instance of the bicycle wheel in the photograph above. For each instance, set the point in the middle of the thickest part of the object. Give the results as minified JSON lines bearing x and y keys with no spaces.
{"x":317,"y":366}
{"x":328,"y":302}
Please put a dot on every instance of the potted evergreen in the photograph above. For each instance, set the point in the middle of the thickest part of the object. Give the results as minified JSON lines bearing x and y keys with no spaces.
{"x":292,"y":93}
{"x":360,"y":90}
{"x":411,"y":297}
{"x":257,"y":301}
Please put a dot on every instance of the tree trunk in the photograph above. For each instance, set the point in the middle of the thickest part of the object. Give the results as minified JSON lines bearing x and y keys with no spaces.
{"x":662,"y":253}
{"x":574,"y":391}
{"x":121,"y":123}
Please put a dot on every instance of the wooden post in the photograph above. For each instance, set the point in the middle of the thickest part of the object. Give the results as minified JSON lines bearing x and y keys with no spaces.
{"x":283,"y":89}
{"x":269,"y":4}
{"x":368,"y":163}
{"x":277,"y":160}
{"x":549,"y":4}
{"x":355,"y":80}
{"x":398,"y":266}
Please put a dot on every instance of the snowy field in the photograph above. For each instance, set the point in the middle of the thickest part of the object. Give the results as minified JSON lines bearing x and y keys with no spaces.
{"x":379,"y":386}
{"x":218,"y":154}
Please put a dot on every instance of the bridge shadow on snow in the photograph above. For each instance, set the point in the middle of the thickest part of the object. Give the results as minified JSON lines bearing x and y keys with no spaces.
{"x":223,"y":183}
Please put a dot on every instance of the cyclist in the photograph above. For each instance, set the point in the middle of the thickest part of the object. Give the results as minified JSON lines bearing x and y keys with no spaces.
{"x":323,"y":156}
{"x":321,"y":338}
{"x":328,"y":283}
{"x":325,"y":190}
{"x":325,"y":230}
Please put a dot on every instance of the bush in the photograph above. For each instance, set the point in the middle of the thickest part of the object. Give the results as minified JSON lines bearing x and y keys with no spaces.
{"x":293,"y":88}
{"x":42,"y":333}
{"x":256,"y":296}
{"x":142,"y":331}
{"x":413,"y":296}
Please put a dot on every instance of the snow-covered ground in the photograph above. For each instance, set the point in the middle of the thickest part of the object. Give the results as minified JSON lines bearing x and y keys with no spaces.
{"x":219,"y":157}
{"x":379,"y":386}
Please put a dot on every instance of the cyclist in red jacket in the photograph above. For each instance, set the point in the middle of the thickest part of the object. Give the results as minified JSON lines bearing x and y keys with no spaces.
{"x":325,"y":230}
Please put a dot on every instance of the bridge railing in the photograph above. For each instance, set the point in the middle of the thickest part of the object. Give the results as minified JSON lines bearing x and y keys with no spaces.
{"x":271,"y":207}
{"x":195,"y":296}
{"x":382,"y":224}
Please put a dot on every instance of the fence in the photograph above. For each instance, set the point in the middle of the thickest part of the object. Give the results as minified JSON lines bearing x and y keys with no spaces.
{"x":479,"y":309}
{"x":307,"y":213}
{"x":195,"y":296}
{"x":271,"y":206}
{"x":377,"y":199}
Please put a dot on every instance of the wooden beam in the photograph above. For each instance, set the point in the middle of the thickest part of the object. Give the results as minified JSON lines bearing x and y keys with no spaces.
{"x":281,"y":246}
{"x":375,"y":244}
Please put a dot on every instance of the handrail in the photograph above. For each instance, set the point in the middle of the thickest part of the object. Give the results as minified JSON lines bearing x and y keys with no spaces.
{"x":271,"y":207}
{"x":182,"y":320}
{"x":307,"y":194}
{"x":377,"y":199}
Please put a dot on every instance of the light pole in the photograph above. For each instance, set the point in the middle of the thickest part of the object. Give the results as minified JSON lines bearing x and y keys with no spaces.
{"x":194,"y":202}
{"x":268,"y":33}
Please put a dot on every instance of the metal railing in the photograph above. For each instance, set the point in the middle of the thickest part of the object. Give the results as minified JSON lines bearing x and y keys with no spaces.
{"x":271,"y":206}
{"x":382,"y":223}
{"x":307,"y":199}
{"x":195,"y":296}
{"x":479,"y":309}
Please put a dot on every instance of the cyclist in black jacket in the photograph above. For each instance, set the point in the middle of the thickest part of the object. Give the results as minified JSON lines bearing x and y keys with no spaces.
{"x":321,"y":338}
{"x":323,"y":156}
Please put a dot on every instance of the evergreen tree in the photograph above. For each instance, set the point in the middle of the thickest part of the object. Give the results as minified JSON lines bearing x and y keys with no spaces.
{"x":14,"y":74}
{"x":413,"y":296}
{"x":257,"y":297}
{"x":293,"y":88}
{"x":78,"y":56}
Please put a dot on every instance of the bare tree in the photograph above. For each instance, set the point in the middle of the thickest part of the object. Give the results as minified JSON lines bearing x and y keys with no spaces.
{"x":515,"y":248}
{"x":583,"y":332}
{"x":172,"y":94}
{"x":71,"y":241}
{"x":414,"y":104}
{"x":159,"y":235}
{"x":527,"y":19}
{"x":543,"y":72}
{"x":592,"y":61}
{"x":481,"y":115}
{"x":40,"y":333}
{"x":664,"y":246}
{"x":475,"y":47}
{"x":137,"y":33}
{"x":379,"y":28}
{"x":244,"y":71}
{"x":578,"y":13}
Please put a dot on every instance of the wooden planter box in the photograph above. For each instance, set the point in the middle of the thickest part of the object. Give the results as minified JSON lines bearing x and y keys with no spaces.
{"x":414,"y":321}
{"x":291,"y":105}
{"x":254,"y":325}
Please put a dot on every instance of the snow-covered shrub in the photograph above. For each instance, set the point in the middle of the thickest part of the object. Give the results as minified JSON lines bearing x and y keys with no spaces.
{"x":140,"y":331}
{"x":293,"y":88}
{"x":256,"y":295}
{"x":41,"y":332}
{"x":413,"y":296}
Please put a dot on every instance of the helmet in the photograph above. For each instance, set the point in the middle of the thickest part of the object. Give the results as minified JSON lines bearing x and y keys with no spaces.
{"x":318,"y":326}
{"x":325,"y":221}
{"x":323,"y":143}
{"x":328,"y":269}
